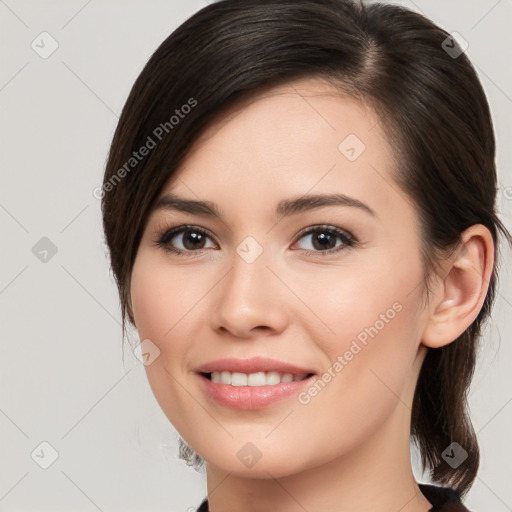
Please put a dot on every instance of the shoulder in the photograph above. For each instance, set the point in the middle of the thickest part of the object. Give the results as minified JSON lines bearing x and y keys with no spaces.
{"x":443,"y":499}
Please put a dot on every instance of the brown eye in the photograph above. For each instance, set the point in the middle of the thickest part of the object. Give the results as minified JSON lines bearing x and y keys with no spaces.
{"x":192,"y":240}
{"x":326,"y":239}
{"x":183,"y":239}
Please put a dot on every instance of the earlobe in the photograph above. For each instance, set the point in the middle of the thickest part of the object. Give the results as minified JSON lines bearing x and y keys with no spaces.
{"x":462,"y":292}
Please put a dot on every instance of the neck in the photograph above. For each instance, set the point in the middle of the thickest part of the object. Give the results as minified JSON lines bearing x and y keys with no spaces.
{"x":375,"y":476}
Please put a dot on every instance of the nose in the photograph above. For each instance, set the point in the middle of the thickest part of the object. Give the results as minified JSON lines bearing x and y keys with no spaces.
{"x":250,"y":300}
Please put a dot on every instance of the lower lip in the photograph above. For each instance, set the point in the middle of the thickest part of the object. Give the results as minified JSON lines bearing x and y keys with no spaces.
{"x":251,"y":397}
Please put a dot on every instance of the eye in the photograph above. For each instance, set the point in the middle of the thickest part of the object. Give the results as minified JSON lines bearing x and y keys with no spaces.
{"x":183,"y":239}
{"x":188,"y":239}
{"x":323,"y":239}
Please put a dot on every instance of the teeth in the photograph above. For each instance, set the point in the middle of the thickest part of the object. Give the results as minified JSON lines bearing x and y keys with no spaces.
{"x":254,"y":379}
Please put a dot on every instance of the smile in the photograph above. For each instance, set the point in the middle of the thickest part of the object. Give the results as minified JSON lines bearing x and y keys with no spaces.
{"x":253,"y":379}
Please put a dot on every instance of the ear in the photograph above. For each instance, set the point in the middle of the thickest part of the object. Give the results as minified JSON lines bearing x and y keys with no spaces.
{"x":462,"y":292}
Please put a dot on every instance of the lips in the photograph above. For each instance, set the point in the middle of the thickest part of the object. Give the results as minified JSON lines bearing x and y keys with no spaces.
{"x":251,"y":395}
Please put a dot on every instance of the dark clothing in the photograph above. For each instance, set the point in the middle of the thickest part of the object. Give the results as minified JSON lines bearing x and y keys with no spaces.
{"x":443,"y":499}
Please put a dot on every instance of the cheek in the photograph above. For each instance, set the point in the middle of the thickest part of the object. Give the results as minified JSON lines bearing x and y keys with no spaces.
{"x":160,"y":298}
{"x":356,"y":304}
{"x":366,"y":377}
{"x":149,"y":302}
{"x":369,"y":334}
{"x":169,"y":306}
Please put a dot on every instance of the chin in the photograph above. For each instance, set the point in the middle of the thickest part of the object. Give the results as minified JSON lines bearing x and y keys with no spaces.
{"x":248,"y":463}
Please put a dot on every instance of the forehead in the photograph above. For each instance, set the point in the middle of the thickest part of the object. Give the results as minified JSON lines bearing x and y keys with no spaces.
{"x":316,"y":95}
{"x":290,"y":134}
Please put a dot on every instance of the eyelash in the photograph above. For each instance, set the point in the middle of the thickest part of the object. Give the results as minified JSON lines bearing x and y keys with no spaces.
{"x":166,"y":235}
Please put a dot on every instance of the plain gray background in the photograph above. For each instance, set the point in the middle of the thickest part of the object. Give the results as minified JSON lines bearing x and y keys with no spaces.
{"x":63,"y":380}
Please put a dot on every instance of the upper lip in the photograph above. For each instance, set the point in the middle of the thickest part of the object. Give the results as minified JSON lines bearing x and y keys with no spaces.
{"x":252,"y":365}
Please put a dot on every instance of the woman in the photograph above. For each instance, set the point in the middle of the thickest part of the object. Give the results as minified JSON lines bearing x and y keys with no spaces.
{"x":299,"y":203}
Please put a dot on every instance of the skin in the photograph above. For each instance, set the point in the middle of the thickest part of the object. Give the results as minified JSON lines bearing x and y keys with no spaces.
{"x":348,"y":448}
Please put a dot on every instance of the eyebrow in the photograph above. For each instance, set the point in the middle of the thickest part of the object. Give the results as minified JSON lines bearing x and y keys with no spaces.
{"x":284,"y":208}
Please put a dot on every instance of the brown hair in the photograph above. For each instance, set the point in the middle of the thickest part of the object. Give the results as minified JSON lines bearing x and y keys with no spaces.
{"x":430,"y":101}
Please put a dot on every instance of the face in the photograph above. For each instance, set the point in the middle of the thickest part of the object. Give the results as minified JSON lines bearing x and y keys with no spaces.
{"x":330,"y":287}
